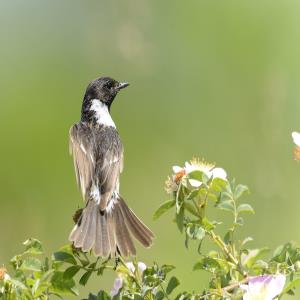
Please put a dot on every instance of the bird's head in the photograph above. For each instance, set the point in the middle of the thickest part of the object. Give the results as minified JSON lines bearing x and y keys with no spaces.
{"x":104,"y":89}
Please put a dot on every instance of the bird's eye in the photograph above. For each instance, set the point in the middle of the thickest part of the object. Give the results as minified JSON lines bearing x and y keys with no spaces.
{"x":109,"y":85}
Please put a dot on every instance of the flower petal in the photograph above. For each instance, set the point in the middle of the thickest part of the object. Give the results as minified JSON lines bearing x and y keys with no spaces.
{"x":275,"y":286}
{"x":142,"y":267}
{"x":176,"y":169}
{"x":296,"y":138}
{"x":195,"y":183}
{"x":130,"y":266}
{"x":265,"y":287}
{"x":219,"y":173}
{"x":118,"y":283}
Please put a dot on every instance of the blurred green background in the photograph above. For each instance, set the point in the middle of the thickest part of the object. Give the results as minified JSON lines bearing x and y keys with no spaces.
{"x":216,"y":79}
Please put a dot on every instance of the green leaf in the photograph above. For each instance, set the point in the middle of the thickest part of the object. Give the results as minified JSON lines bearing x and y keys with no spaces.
{"x":226,"y":205}
{"x":218,"y":184}
{"x":208,"y":225}
{"x":192,"y":194}
{"x":102,"y":295}
{"x":71,"y":271}
{"x":194,"y":231}
{"x":253,"y":255}
{"x":167,"y":268}
{"x":31,"y":264}
{"x":245,"y":208}
{"x":240,"y":190}
{"x":63,"y":286}
{"x":163,"y":208}
{"x":180,"y":219}
{"x":191,"y":208}
{"x":159,"y":295}
{"x":294,"y":283}
{"x":246,"y":240}
{"x":173,"y":283}
{"x":197,"y":175}
{"x":33,"y":246}
{"x":206,"y":263}
{"x":225,"y":196}
{"x":65,"y":257}
{"x":85,"y":277}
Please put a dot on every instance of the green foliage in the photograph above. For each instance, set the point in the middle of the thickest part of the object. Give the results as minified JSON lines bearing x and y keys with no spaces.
{"x":231,"y":264}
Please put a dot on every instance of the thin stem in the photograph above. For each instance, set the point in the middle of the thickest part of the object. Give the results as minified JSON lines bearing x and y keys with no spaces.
{"x":225,"y":289}
{"x":219,"y":242}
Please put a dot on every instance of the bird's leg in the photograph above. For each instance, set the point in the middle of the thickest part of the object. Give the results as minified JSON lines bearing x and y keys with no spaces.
{"x":117,"y":258}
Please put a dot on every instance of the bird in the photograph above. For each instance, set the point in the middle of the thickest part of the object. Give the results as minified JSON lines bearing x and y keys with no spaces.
{"x":106,"y":224}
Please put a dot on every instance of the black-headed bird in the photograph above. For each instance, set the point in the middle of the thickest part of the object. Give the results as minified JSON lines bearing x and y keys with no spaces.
{"x":106,"y":224}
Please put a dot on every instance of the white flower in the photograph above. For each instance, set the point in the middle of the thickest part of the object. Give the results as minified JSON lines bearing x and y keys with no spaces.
{"x":206,"y":168}
{"x":118,"y":283}
{"x":195,"y":164}
{"x":219,"y":173}
{"x":265,"y":287}
{"x":177,"y":169}
{"x":296,"y":138}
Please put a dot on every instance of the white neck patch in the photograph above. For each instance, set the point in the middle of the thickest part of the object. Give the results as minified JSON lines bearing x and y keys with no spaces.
{"x":101,"y":113}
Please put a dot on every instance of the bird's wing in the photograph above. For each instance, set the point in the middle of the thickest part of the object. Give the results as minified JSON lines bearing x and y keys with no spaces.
{"x":109,"y":163}
{"x":98,"y":161}
{"x":81,"y":147}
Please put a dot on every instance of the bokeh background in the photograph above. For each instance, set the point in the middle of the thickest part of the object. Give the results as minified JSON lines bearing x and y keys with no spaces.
{"x":216,"y":79}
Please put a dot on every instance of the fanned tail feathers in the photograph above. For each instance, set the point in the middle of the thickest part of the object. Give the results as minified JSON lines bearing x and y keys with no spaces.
{"x":109,"y":232}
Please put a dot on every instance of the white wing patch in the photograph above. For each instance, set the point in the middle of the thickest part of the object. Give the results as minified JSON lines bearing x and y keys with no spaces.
{"x":112,"y":202}
{"x":102,"y":114}
{"x":95,"y":194}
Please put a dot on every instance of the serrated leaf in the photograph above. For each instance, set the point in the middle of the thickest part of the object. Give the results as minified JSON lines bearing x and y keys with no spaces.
{"x":173,"y":283}
{"x":245,"y":208}
{"x":61,"y":285}
{"x":240,"y":190}
{"x":31,"y":264}
{"x":226,"y":205}
{"x":65,"y":257}
{"x":206,"y":263}
{"x":218,"y":184}
{"x":71,"y":271}
{"x":85,"y":277}
{"x":163,"y":208}
{"x":225,"y":196}
{"x":253,"y":255}
{"x":195,"y":232}
{"x":33,"y":246}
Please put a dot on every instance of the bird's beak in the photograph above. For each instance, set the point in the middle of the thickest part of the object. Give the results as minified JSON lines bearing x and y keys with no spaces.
{"x":122,"y":85}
